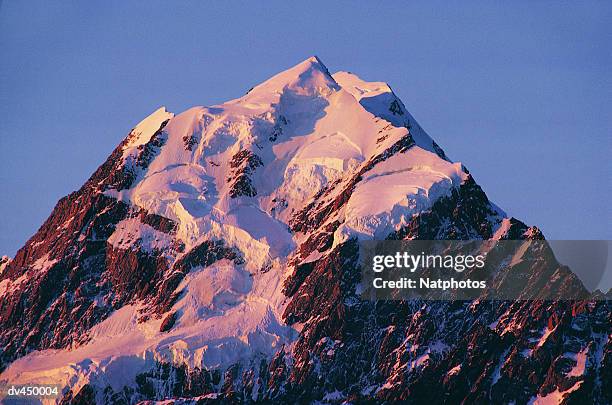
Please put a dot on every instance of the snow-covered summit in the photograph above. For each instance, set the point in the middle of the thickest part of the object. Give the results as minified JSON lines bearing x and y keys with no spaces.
{"x":308,"y":78}
{"x":239,"y":170}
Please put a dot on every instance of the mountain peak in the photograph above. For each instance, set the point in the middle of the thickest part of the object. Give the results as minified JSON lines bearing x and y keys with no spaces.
{"x":309,"y":77}
{"x":214,"y":251}
{"x":314,"y":59}
{"x":308,"y":65}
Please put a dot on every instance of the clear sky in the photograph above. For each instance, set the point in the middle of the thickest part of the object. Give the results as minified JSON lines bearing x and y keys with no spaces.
{"x":518,"y":92}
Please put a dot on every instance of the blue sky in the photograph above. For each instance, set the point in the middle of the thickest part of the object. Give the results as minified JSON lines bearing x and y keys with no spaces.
{"x":519,"y":92}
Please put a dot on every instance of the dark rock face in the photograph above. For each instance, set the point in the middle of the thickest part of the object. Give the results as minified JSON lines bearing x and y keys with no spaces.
{"x":85,"y":396}
{"x":168,"y":322}
{"x":190,"y":142}
{"x":133,"y":274}
{"x":75,"y":279}
{"x":157,"y":222}
{"x":243,"y":164}
{"x":56,"y":305}
{"x":277,"y":129}
{"x":472,"y":352}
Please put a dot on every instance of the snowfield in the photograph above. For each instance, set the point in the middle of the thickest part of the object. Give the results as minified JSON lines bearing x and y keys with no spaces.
{"x":397,"y":188}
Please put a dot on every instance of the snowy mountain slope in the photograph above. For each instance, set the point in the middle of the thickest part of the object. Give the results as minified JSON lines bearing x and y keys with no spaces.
{"x":214,"y":252}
